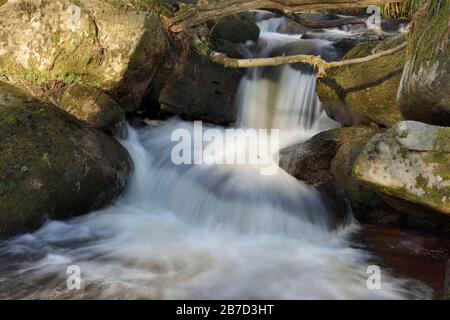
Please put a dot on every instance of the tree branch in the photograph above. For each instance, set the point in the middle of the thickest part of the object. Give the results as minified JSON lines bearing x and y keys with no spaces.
{"x":334,"y":23}
{"x":206,"y":10}
{"x":315,"y":61}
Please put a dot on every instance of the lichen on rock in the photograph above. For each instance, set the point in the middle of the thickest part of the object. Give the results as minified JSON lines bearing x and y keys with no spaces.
{"x":92,"y":42}
{"x":410,"y":162}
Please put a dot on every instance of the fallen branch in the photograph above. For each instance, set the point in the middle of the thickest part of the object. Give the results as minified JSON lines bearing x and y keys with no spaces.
{"x":203,"y":11}
{"x":334,"y":23}
{"x":315,"y":61}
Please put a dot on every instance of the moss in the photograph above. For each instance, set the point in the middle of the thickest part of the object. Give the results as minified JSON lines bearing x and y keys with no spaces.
{"x":237,"y":28}
{"x":93,"y":106}
{"x":370,"y":88}
{"x":416,"y":177}
{"x":117,"y":50}
{"x":138,"y":5}
{"x":430,"y":29}
{"x":44,"y":153}
{"x":442,"y":142}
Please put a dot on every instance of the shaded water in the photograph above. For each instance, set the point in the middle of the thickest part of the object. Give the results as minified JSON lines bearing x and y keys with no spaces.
{"x":207,"y":231}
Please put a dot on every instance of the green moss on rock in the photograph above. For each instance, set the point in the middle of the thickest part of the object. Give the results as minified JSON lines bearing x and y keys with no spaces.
{"x":425,"y":89}
{"x":94,"y":107}
{"x":412,"y":167}
{"x":236,"y":28}
{"x":111,"y":48}
{"x":367,"y":89}
{"x":51,"y":165}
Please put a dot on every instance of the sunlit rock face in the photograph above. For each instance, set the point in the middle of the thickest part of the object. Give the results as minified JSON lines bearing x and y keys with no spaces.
{"x":424,"y":93}
{"x":410,"y":162}
{"x":94,"y":42}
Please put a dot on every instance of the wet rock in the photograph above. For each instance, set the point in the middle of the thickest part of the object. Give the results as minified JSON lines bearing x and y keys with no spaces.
{"x":51,"y":165}
{"x":198,"y":90}
{"x":410,"y":163}
{"x":94,"y":107}
{"x":366,"y":203}
{"x":114,"y":48}
{"x":366,"y":92}
{"x":322,"y":162}
{"x":237,"y":28}
{"x":310,"y":161}
{"x":424,"y":93}
{"x":447,"y":282}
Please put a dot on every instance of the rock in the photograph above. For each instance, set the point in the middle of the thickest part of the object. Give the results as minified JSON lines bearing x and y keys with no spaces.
{"x":51,"y":165}
{"x":410,"y":163}
{"x":114,"y":48}
{"x":310,"y":161}
{"x":231,"y":49}
{"x":447,"y":282}
{"x":424,"y":93}
{"x":94,"y":107}
{"x":365,"y":91}
{"x":314,"y":163}
{"x":199,"y":90}
{"x":237,"y":28}
{"x":361,"y":197}
{"x":368,"y":206}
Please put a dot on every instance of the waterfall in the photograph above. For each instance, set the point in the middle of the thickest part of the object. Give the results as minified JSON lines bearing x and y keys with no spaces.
{"x":282,"y":97}
{"x":207,"y":231}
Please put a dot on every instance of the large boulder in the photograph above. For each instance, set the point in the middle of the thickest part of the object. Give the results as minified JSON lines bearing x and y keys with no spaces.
{"x":311,"y":161}
{"x":51,"y":165}
{"x":424,"y":93}
{"x":365,"y":92}
{"x":195,"y":89}
{"x":100,"y":43}
{"x":323,"y":163}
{"x":410,"y":164}
{"x":361,"y":197}
{"x":237,"y":28}
{"x":94,"y":107}
{"x":368,"y":206}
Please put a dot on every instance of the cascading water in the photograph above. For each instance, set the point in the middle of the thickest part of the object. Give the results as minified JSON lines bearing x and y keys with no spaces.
{"x":206,"y":231}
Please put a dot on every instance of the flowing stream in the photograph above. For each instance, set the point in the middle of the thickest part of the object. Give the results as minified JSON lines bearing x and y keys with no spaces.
{"x":209,"y":231}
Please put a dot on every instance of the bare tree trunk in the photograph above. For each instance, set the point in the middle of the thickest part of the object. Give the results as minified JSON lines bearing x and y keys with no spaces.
{"x":206,"y":10}
{"x":316,"y":61}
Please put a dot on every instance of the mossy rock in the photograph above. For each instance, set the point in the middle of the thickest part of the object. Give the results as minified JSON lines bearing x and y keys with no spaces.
{"x":94,"y":107}
{"x":424,"y":94}
{"x":199,"y":90}
{"x":237,"y":28}
{"x":361,"y":197}
{"x":365,"y":90}
{"x":310,"y":161}
{"x":95,"y":43}
{"x":325,"y":162}
{"x":51,"y":165}
{"x":411,"y":164}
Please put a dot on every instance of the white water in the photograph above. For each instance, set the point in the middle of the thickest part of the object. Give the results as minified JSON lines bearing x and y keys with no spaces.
{"x":204,"y":232}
